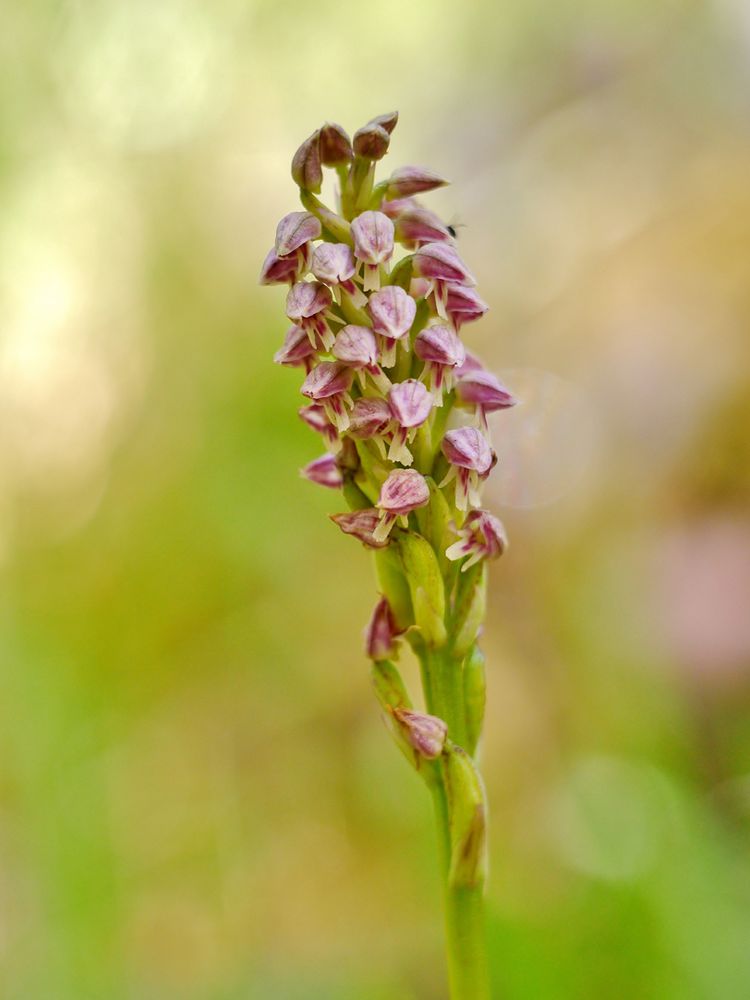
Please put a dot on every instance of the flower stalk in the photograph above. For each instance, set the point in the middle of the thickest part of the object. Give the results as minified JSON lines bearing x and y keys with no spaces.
{"x":378,"y":297}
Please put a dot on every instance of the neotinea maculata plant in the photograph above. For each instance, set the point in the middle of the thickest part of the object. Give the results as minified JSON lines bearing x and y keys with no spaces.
{"x":378,"y":296}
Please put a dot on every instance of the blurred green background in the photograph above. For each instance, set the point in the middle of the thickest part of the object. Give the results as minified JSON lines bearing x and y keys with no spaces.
{"x":198,"y":800}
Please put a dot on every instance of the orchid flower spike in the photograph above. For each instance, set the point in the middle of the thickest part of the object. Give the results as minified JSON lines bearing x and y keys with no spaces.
{"x":368,"y":279}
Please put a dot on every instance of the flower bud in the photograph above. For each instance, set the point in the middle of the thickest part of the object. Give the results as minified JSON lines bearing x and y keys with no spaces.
{"x":371,"y":142}
{"x":335,"y":145}
{"x":407,"y":181}
{"x":403,"y":491}
{"x":294,"y":230}
{"x":361,"y":524}
{"x":468,"y":820}
{"x":422,"y":572}
{"x":306,"y":169}
{"x":382,"y":633}
{"x":426,"y":733}
{"x":395,"y":206}
{"x":387,"y":121}
{"x":296,"y":351}
{"x":324,"y":471}
{"x":392,"y":311}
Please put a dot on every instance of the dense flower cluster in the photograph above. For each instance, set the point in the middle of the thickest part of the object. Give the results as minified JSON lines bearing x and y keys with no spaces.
{"x":378,"y":297}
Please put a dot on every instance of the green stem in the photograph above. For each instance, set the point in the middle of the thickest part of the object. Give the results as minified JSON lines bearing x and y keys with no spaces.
{"x":465,"y":943}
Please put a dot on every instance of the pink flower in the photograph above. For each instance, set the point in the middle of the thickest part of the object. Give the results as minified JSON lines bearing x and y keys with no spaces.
{"x":369,"y":420}
{"x":441,"y":264}
{"x":282,"y":270}
{"x":471,"y":460}
{"x":403,"y":491}
{"x":307,"y":305}
{"x":442,"y":351}
{"x":334,"y":264}
{"x":356,"y":347}
{"x":373,"y":235}
{"x":416,"y":226}
{"x":329,"y":383}
{"x":392,"y":311}
{"x":463,"y":305}
{"x":306,"y":168}
{"x":411,"y":404}
{"x":481,"y":389}
{"x":324,"y":471}
{"x":295,"y":231}
{"x":481,"y":537}
{"x":296,"y":351}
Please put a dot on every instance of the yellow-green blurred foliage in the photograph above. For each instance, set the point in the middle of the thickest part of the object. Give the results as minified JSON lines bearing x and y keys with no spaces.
{"x":198,"y":800}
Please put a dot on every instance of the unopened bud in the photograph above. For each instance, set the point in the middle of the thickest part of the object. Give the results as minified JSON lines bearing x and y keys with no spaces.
{"x":382,"y":633}
{"x":407,"y":181}
{"x":425,"y":733}
{"x":371,"y":142}
{"x":335,"y":145}
{"x":306,"y":168}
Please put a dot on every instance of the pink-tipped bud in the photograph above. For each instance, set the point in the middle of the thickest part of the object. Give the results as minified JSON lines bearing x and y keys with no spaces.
{"x":467,"y":448}
{"x":355,"y":345}
{"x":335,"y":145}
{"x":371,"y":142}
{"x":485,"y":391}
{"x":324,"y":471}
{"x":441,"y":262}
{"x":410,"y":403}
{"x":392,"y":311}
{"x":382,"y":632}
{"x":294,"y":231}
{"x":481,"y":537}
{"x":361,"y":524}
{"x":417,"y":226}
{"x":463,"y":305}
{"x":370,"y":417}
{"x":407,"y":181}
{"x":373,"y":235}
{"x":296,"y":351}
{"x":306,"y":169}
{"x":426,"y":733}
{"x":388,"y":121}
{"x":440,"y":345}
{"x":281,"y":270}
{"x":333,"y":263}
